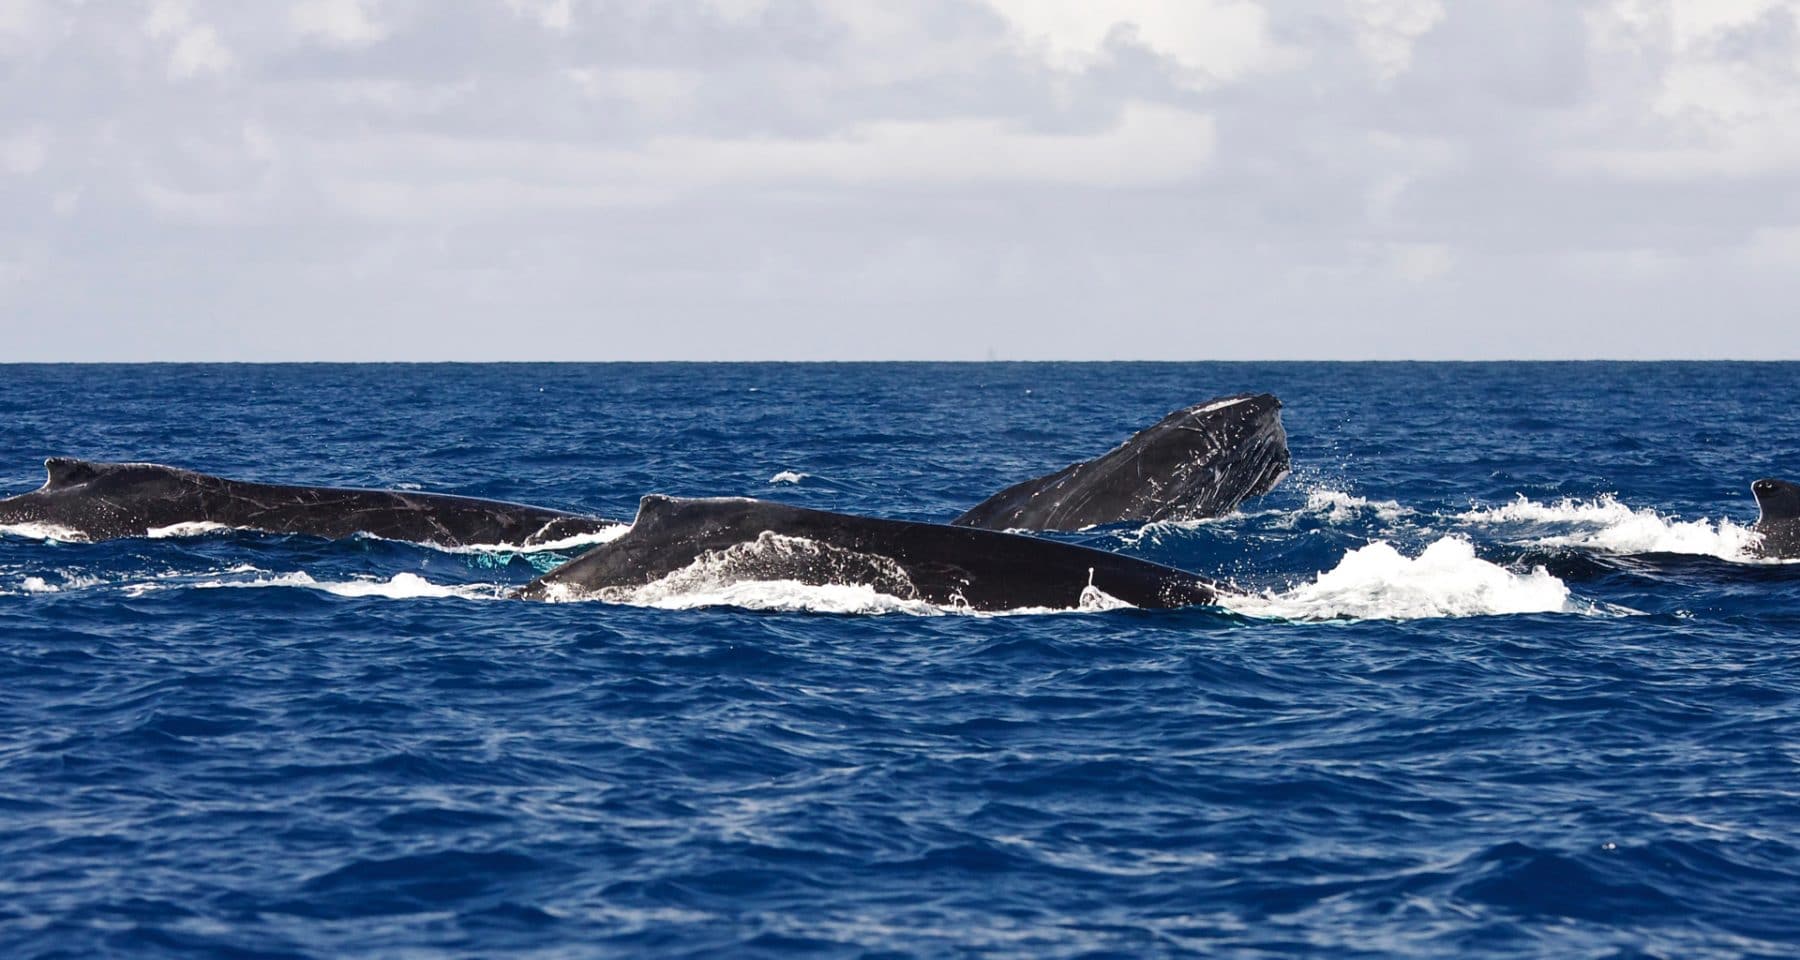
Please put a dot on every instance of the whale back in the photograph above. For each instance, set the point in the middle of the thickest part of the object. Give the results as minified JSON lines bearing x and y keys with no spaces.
{"x":738,"y":539}
{"x":99,"y":501}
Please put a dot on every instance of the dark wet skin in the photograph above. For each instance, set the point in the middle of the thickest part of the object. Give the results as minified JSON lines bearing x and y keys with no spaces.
{"x":1200,"y":461}
{"x":103,"y":501}
{"x":938,"y":563}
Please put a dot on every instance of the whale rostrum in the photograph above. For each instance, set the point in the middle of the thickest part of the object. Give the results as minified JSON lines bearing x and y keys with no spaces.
{"x":1198,"y":462}
{"x":101,"y":501}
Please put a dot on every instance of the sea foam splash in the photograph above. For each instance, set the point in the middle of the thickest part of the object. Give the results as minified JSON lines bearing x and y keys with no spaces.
{"x":1608,"y":526}
{"x":191,"y":528}
{"x":1336,"y":506}
{"x":38,"y":585}
{"x":577,"y":542}
{"x":1378,"y":582}
{"x":401,"y":586}
{"x":42,"y":531}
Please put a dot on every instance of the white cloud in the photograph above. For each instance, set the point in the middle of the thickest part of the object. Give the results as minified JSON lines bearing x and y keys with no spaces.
{"x":24,"y":152}
{"x":1222,"y":39}
{"x":1775,"y":247}
{"x":194,"y":47}
{"x":553,"y":15}
{"x":1695,"y":89}
{"x":1387,"y":29}
{"x":428,"y":178}
{"x":663,"y":93}
{"x":199,"y":51}
{"x":952,"y":167}
{"x":1419,"y":262}
{"x":343,"y":23}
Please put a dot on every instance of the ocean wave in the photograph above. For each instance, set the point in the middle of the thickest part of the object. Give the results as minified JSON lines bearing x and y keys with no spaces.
{"x":788,"y":476}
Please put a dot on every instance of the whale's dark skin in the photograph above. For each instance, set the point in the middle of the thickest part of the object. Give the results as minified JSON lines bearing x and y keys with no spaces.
{"x":102,"y":501}
{"x":938,"y":563}
{"x":1779,"y":521}
{"x":1200,"y":461}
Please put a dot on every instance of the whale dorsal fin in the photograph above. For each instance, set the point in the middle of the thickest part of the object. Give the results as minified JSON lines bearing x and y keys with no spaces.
{"x":659,"y":510}
{"x":68,"y":471}
{"x":1778,"y":500}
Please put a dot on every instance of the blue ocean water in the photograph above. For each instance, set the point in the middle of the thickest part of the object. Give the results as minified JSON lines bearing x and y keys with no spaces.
{"x":1503,"y":679}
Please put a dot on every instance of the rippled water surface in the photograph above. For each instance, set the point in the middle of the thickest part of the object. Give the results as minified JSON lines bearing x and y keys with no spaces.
{"x":1502,"y":677}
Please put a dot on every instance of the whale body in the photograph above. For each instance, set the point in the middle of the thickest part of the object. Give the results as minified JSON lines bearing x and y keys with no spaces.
{"x":1778,"y":520}
{"x":102,"y":501}
{"x":1200,"y":461}
{"x":738,"y":539}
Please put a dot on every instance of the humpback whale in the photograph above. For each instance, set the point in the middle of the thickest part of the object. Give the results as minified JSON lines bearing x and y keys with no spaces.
{"x":101,"y":501}
{"x":1200,"y":461}
{"x":744,"y":539}
{"x":1779,"y":518}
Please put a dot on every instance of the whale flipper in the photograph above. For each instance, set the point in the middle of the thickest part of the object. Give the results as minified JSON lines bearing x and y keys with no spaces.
{"x":1200,"y":461}
{"x":103,"y":501}
{"x":746,"y":540}
{"x":1778,"y":503}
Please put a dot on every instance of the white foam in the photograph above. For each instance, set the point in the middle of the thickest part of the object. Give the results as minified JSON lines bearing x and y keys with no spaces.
{"x":577,"y":542}
{"x":1336,"y":506}
{"x":36,"y":584}
{"x":42,"y":531}
{"x":1608,"y":526}
{"x":1095,"y":600}
{"x":401,"y":586}
{"x":571,"y":544}
{"x":778,"y":595}
{"x":191,"y":528}
{"x":788,"y":476}
{"x":1377,"y":582}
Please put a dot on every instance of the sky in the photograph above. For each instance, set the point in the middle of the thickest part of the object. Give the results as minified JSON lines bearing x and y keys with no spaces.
{"x":864,"y":179}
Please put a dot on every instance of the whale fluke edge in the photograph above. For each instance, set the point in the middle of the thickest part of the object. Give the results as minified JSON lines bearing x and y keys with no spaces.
{"x":746,"y":539}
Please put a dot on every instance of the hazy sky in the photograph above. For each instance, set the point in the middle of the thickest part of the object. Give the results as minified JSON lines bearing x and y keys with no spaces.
{"x":865,"y":179}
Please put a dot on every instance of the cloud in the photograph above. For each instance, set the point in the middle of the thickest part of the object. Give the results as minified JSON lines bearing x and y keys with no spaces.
{"x":194,"y":48}
{"x":24,"y":153}
{"x":1068,"y":178}
{"x":1387,"y":29}
{"x":1208,"y":39}
{"x":429,"y":177}
{"x":343,"y":23}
